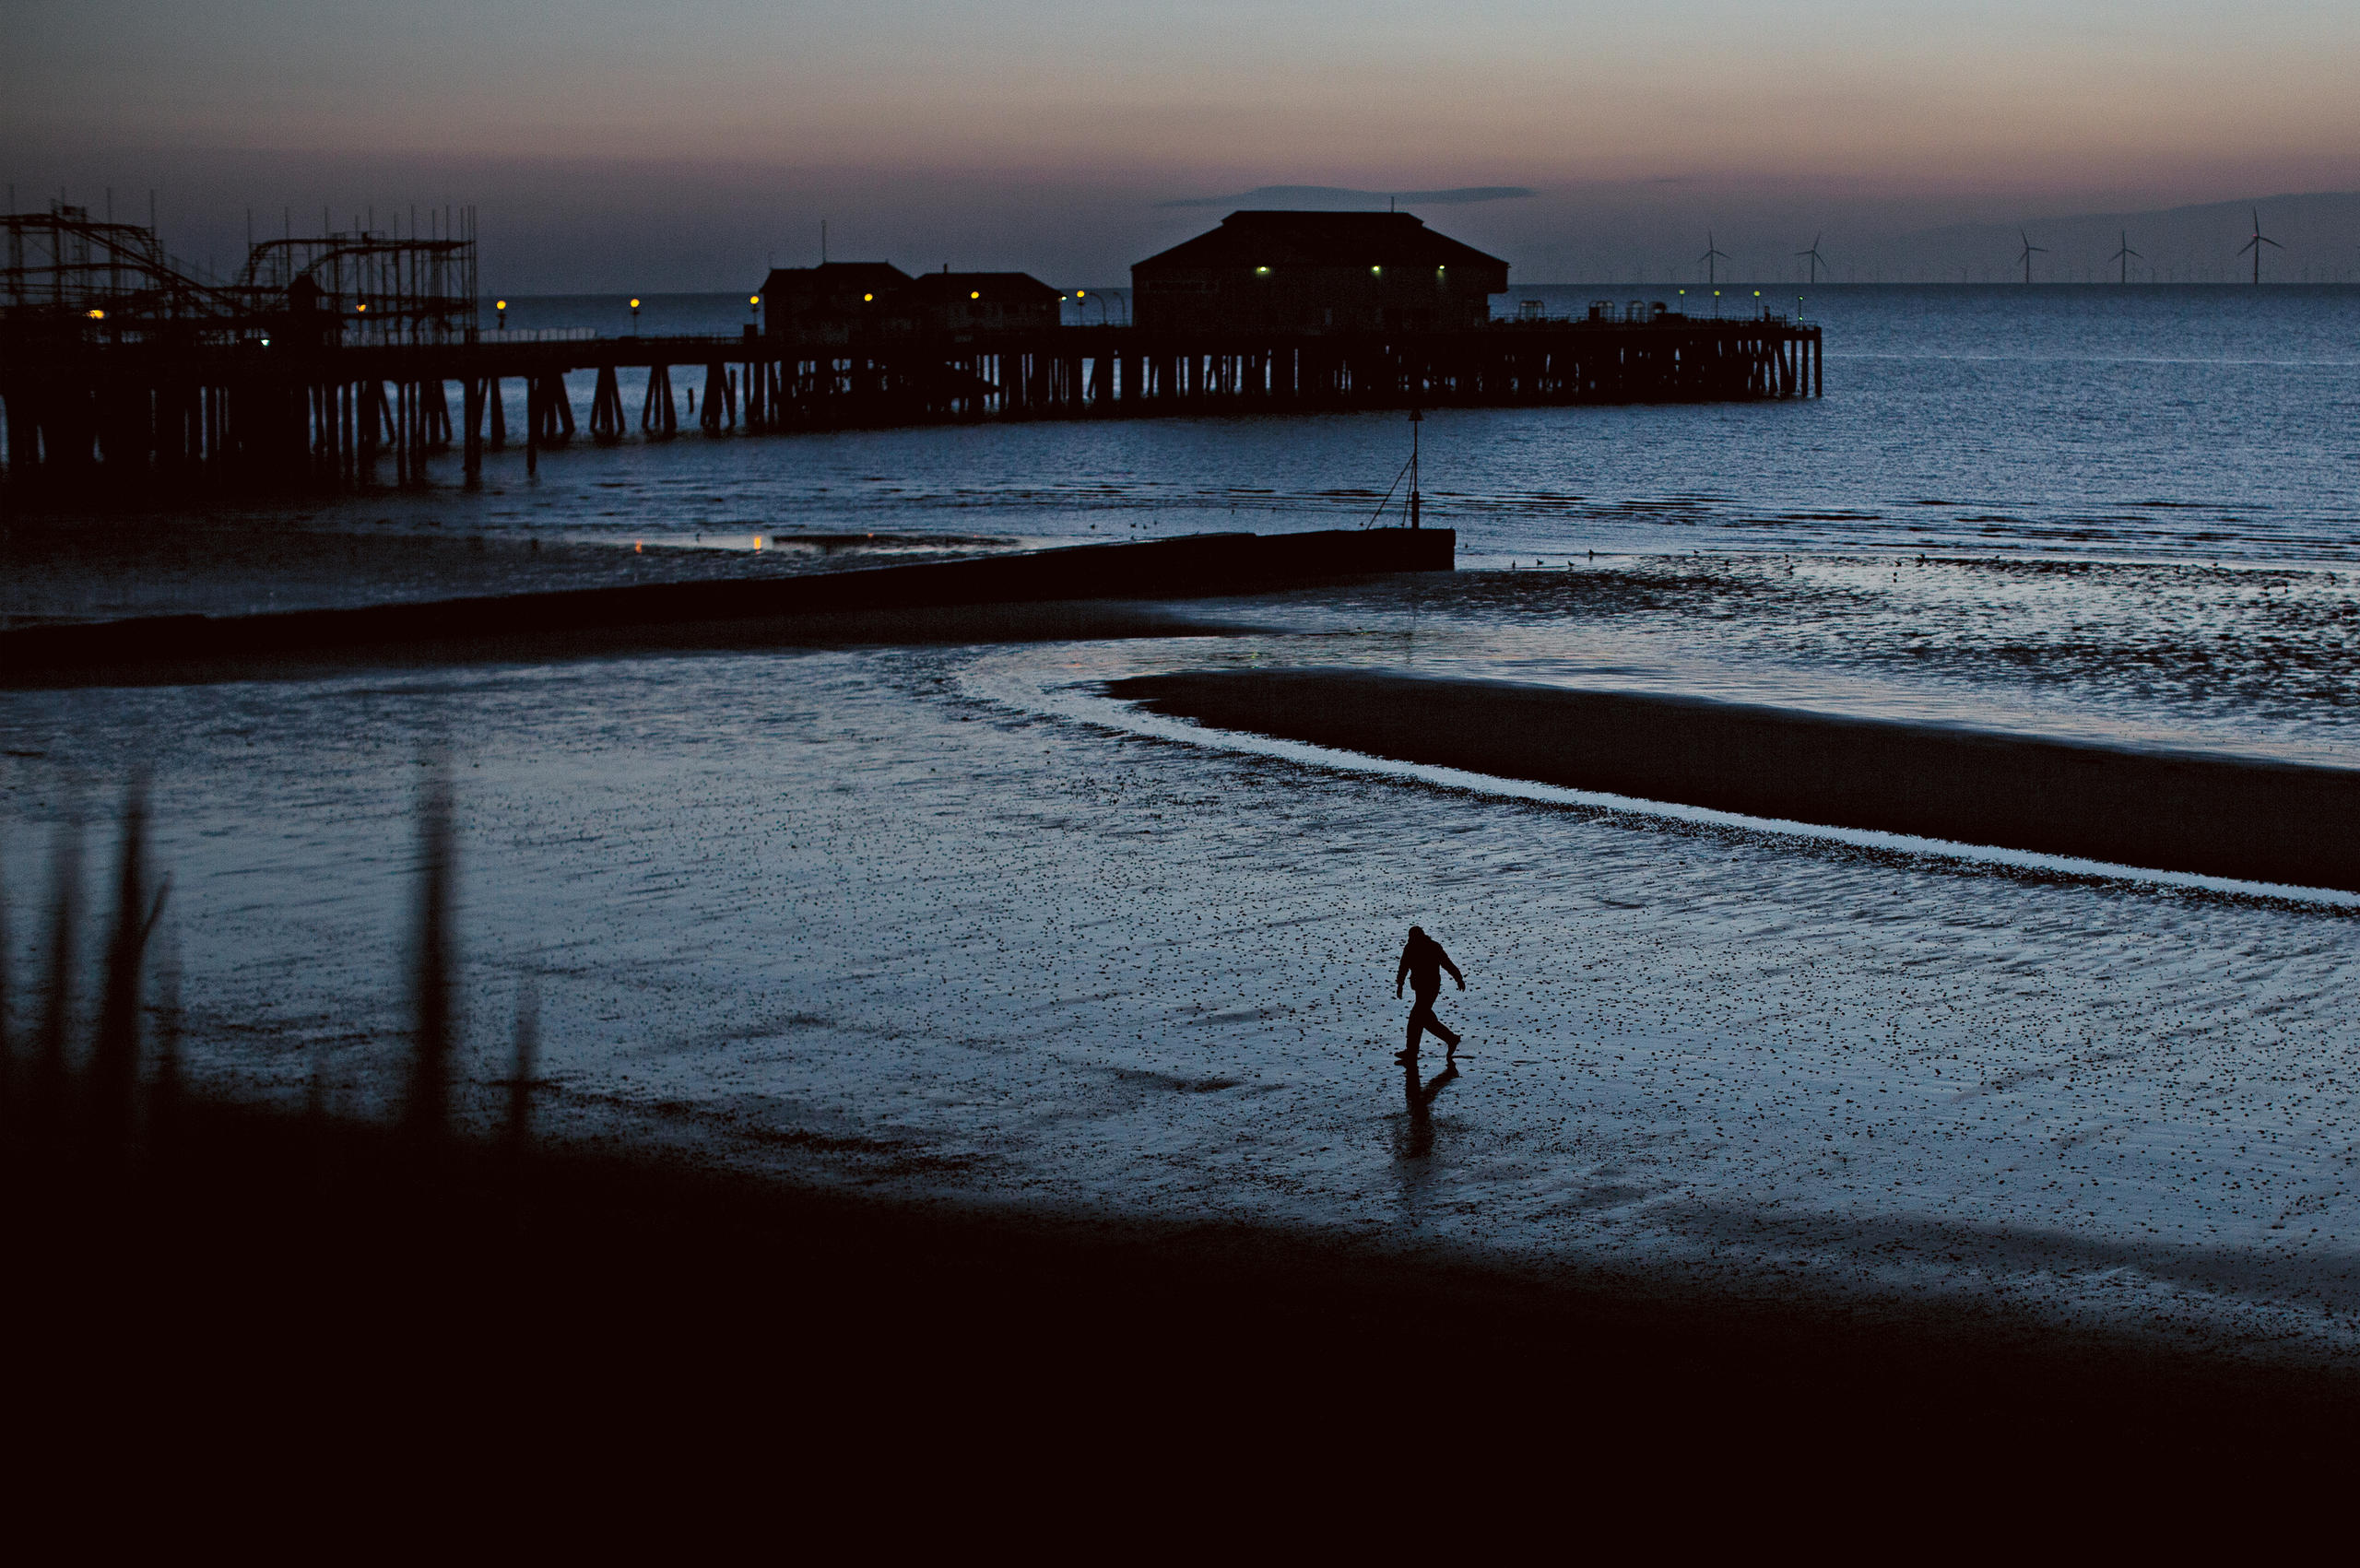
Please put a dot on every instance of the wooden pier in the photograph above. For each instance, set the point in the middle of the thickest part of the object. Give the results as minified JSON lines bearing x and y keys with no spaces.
{"x":84,"y":413}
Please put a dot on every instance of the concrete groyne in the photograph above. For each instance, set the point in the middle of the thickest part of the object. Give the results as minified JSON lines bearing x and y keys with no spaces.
{"x":2249,"y":819}
{"x":893,"y":603}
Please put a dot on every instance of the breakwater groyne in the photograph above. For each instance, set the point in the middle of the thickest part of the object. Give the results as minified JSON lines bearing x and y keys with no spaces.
{"x":83,"y":411}
{"x":2251,"y":820}
{"x":892,"y":602}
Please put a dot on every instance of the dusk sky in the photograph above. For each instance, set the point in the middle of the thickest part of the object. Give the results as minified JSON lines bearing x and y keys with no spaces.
{"x":680,"y":144}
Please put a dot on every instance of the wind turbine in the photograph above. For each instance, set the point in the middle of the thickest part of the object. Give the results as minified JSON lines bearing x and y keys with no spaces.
{"x":1817,"y":261}
{"x":2124,"y":255}
{"x":2031,"y":251}
{"x":2255,"y":243}
{"x":1713,"y":256}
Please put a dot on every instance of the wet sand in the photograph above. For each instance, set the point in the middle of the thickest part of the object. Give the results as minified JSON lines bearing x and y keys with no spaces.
{"x":947,"y":924}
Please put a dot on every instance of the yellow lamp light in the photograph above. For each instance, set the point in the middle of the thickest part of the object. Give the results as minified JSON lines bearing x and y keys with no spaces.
{"x":97,"y":316}
{"x":753,"y":299}
{"x":867,"y":299}
{"x":1081,"y":293}
{"x":500,"y":304}
{"x":634,"y":304}
{"x":975,"y":294}
{"x":362,"y":306}
{"x":1261,"y":272}
{"x":1376,"y":272}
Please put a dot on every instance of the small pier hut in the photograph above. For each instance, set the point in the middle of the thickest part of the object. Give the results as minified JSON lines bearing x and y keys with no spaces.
{"x":834,"y":302}
{"x":970,"y":304}
{"x":1317,"y":272}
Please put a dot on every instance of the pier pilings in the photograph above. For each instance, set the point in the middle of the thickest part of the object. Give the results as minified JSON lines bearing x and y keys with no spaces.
{"x":75,"y":417}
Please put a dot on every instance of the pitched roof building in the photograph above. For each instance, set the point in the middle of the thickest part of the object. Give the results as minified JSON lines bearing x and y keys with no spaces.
{"x":1317,"y":272}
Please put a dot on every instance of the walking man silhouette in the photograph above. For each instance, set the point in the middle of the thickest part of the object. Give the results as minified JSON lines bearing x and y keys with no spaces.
{"x":1422,"y":961}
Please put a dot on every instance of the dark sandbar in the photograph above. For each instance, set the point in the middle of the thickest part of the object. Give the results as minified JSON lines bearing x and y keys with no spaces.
{"x":2246,"y":818}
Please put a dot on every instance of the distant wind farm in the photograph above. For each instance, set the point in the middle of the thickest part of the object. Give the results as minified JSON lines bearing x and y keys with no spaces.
{"x":2282,"y":240}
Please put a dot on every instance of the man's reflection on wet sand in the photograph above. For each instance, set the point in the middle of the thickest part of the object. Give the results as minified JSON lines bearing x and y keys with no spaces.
{"x":1421,"y":1099}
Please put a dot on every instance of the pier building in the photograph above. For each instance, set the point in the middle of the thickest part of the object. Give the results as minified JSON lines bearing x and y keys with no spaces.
{"x":1317,"y":272}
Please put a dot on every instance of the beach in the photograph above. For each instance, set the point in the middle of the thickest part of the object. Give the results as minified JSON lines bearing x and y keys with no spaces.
{"x":950,"y":926}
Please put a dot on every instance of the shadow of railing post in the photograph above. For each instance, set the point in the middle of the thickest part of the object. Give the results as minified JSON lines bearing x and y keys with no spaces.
{"x":45,"y":1099}
{"x":518,"y":1135}
{"x":425,"y":1113}
{"x":114,"y":1053}
{"x":9,"y":1092}
{"x":166,"y":1090}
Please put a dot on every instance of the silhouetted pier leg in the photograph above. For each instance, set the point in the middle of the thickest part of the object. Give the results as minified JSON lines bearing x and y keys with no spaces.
{"x":471,"y":410}
{"x":532,"y":425}
{"x":554,"y":425}
{"x":375,"y":420}
{"x":757,"y":410}
{"x":716,"y":400}
{"x":607,"y":409}
{"x":657,"y":418}
{"x":406,"y":431}
{"x":397,"y":407}
{"x":438,"y":417}
{"x":497,"y":408}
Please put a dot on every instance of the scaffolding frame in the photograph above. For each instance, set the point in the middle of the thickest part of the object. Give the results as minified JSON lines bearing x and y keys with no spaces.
{"x":67,"y":271}
{"x":383,"y":288}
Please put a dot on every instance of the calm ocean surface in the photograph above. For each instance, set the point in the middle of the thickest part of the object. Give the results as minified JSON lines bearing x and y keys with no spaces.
{"x":2183,"y":422}
{"x":946,"y":921}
